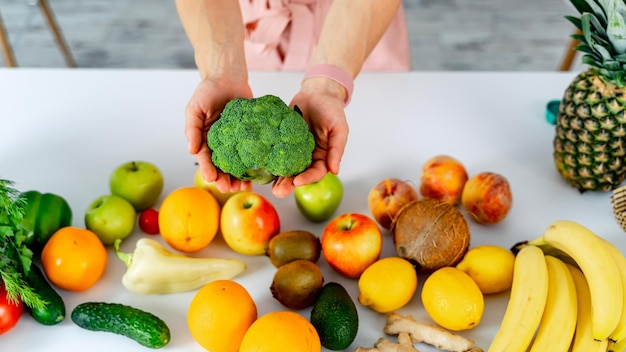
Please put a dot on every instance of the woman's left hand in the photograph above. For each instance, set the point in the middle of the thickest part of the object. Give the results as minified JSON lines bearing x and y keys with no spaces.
{"x":321,"y":102}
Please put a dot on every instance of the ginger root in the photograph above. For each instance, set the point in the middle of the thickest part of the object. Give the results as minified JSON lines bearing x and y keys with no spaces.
{"x":405,"y":344}
{"x":429,"y":334}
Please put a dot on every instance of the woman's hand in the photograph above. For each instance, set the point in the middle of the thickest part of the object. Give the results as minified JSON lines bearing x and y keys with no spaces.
{"x":321,"y":102}
{"x":204,"y":108}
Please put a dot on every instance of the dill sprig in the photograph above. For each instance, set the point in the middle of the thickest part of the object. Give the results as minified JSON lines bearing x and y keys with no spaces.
{"x":15,"y":256}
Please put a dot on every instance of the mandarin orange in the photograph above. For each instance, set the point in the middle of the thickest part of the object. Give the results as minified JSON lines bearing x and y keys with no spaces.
{"x":219,"y":315}
{"x":189,"y":219}
{"x":74,"y":259}
{"x":281,"y":331}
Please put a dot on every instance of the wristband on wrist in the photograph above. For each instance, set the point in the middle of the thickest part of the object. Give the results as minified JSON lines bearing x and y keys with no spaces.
{"x":336,"y":74}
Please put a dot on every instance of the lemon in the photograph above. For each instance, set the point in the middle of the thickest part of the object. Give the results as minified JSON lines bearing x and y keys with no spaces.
{"x":388,"y":284}
{"x":490,"y":266}
{"x":452,"y":299}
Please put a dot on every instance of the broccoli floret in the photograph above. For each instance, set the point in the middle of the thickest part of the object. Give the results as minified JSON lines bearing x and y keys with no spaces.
{"x":260,"y":139}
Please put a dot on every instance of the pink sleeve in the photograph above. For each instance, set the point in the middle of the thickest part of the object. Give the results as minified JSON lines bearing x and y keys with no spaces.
{"x":281,"y":36}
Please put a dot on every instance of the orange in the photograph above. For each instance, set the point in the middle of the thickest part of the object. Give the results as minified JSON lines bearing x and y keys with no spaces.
{"x":219,"y":315}
{"x":189,"y":219}
{"x":74,"y":259}
{"x":281,"y":331}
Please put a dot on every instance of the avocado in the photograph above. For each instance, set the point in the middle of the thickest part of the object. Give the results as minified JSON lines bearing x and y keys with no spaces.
{"x":335,"y":317}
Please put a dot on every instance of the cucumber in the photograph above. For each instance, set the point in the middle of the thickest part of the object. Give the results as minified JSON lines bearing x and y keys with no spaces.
{"x":144,"y":327}
{"x":54,"y":311}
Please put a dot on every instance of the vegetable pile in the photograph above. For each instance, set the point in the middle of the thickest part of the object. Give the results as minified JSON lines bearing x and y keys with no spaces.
{"x":260,"y":139}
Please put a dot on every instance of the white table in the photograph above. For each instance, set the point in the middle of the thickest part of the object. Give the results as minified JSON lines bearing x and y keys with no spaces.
{"x":64,"y":131}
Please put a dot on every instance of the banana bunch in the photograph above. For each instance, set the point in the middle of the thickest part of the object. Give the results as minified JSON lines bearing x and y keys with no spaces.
{"x":568,"y":292}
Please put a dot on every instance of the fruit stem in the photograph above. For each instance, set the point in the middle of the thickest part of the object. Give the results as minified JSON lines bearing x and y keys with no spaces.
{"x":127,"y":258}
{"x":350,"y":225}
{"x":389,"y":188}
{"x":518,"y":246}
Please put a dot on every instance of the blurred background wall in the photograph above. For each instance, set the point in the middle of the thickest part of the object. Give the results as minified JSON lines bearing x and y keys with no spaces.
{"x":479,"y":35}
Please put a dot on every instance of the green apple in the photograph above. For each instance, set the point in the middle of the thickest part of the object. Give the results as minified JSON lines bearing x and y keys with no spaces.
{"x":318,"y":201}
{"x":139,"y":182}
{"x":110,"y":217}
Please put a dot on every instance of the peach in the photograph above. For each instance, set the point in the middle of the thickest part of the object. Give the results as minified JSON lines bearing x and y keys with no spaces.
{"x":443,"y":178}
{"x":387,"y":198}
{"x":487,"y":197}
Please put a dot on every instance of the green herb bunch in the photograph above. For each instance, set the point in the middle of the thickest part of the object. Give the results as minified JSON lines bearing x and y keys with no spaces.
{"x":15,"y":256}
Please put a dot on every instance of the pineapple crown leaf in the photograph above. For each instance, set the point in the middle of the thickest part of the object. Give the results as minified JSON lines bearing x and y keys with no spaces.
{"x":590,"y":6}
{"x":602,"y":37}
{"x":616,"y":30}
{"x":606,"y":57}
{"x":604,"y":18}
{"x":621,"y":58}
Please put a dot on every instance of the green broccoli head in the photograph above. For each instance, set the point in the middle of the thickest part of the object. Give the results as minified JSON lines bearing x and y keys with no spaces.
{"x":260,"y":139}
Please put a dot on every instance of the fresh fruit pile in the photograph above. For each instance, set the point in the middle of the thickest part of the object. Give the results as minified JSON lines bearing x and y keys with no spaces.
{"x":431,"y":239}
{"x":568,"y":290}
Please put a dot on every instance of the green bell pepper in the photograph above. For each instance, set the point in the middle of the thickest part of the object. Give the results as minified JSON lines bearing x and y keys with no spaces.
{"x":45,"y":214}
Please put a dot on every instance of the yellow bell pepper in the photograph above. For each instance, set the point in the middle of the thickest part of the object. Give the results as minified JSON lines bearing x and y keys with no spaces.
{"x":151,"y":268}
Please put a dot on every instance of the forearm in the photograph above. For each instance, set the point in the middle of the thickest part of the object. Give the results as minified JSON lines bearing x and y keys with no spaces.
{"x":351,"y":31}
{"x":215,"y":31}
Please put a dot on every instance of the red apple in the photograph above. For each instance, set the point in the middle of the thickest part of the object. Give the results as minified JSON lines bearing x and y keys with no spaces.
{"x":443,"y":178}
{"x":350,"y":243}
{"x":487,"y":197}
{"x":387,"y":198}
{"x":248,"y":222}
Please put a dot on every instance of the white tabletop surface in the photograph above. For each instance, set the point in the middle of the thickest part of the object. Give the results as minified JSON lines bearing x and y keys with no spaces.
{"x":64,"y":131}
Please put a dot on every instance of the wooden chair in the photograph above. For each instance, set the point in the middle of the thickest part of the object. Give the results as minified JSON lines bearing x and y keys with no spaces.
{"x":570,"y":54}
{"x":7,"y":52}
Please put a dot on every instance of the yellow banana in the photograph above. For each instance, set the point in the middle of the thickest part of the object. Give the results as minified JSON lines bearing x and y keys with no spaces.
{"x":583,"y":338}
{"x":529,"y":293}
{"x":593,"y":258}
{"x":619,"y":333}
{"x":619,"y":346}
{"x":558,"y":321}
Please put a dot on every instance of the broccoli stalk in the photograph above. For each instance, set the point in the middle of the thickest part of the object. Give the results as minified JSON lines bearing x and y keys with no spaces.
{"x":260,"y":139}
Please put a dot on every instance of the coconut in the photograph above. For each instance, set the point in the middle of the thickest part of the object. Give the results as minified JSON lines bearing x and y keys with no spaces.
{"x":431,"y":234}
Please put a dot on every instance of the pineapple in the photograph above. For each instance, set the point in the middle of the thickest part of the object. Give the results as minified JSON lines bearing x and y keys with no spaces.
{"x":589,"y":143}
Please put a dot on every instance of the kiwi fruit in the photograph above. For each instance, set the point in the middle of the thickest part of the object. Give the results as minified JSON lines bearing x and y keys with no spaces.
{"x":293,"y":245}
{"x":297,"y":284}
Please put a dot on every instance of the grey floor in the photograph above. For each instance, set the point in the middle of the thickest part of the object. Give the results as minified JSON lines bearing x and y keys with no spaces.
{"x":479,"y":35}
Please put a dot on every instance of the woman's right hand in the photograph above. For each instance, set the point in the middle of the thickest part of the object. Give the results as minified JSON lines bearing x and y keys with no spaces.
{"x":203,"y":109}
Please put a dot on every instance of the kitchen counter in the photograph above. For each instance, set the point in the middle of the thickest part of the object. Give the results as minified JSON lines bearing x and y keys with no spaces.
{"x":64,"y":131}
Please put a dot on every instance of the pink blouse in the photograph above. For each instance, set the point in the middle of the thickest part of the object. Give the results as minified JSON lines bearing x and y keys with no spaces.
{"x":281,"y":36}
